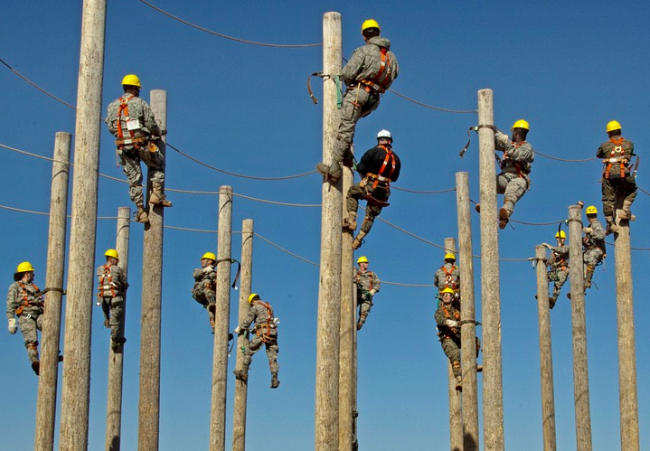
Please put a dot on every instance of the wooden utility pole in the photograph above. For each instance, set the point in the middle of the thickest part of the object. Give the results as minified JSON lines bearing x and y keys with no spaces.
{"x":76,"y":369}
{"x":628,"y":401}
{"x":579,"y":323}
{"x":347,"y":376}
{"x":329,"y":289}
{"x":116,"y":359}
{"x":245,"y":288}
{"x":455,"y":398}
{"x":493,"y":435}
{"x":49,"y":367}
{"x":152,"y":260}
{"x":221,"y":323}
{"x":545,"y":351}
{"x":467,"y":315}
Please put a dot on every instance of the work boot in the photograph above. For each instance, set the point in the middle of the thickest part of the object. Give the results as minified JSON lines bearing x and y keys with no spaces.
{"x":141,"y":215}
{"x":358,"y":240}
{"x":275,"y":383}
{"x":479,"y":368}
{"x":331,"y":173}
{"x":504,"y":217}
{"x":362,"y":320}
{"x":589,"y":275}
{"x":242,"y":375}
{"x":36,"y":366}
{"x":116,"y":344}
{"x":477,"y":207}
{"x":551,"y":301}
{"x":106,"y":324}
{"x":157,"y":197}
{"x":459,"y":383}
{"x":350,"y":222}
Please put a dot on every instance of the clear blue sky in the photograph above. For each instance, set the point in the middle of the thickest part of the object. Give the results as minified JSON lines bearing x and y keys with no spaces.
{"x":566,"y":68}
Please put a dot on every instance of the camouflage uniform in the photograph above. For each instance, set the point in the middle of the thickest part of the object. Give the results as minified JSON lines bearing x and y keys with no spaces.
{"x":447,"y":276}
{"x":559,"y":270}
{"x":617,"y":181}
{"x":22,"y":302}
{"x":593,"y":249}
{"x":366,"y":78}
{"x":513,"y":181}
{"x":149,"y":152}
{"x":266,"y":333}
{"x":112,"y":286}
{"x":450,"y":336}
{"x":366,"y":282}
{"x":205,"y":285}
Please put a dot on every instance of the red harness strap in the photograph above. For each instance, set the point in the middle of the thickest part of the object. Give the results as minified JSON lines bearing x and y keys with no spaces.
{"x":621,"y":153}
{"x":102,"y":282}
{"x":23,"y":292}
{"x":449,"y":279}
{"x":266,"y":334}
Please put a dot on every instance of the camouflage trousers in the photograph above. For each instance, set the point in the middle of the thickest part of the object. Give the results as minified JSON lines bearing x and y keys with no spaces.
{"x":130,"y":159}
{"x":592,"y":256}
{"x":357,"y":103}
{"x":559,"y":279}
{"x":203,"y":292}
{"x":611,"y":188}
{"x":272,"y":351}
{"x":451,"y":348}
{"x":513,"y":188}
{"x":29,"y":325}
{"x":113,"y":308}
{"x":365,"y":305}
{"x":358,"y":192}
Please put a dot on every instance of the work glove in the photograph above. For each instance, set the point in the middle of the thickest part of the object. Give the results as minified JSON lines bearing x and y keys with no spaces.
{"x":546,"y":245}
{"x":372,"y":292}
{"x":451,"y":323}
{"x":587,"y":230}
{"x":208,"y":269}
{"x":238,"y":330}
{"x":13,"y":327}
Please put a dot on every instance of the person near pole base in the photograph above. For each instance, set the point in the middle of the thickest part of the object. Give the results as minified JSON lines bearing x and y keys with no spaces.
{"x":593,"y":245}
{"x":205,"y":285}
{"x":618,"y":179}
{"x":369,"y":73}
{"x":368,"y":285}
{"x":448,"y":276}
{"x":265,"y":332}
{"x":138,"y":138}
{"x":112,"y":286}
{"x":25,"y":302}
{"x":378,"y":167}
{"x":448,"y":322}
{"x":558,"y":265}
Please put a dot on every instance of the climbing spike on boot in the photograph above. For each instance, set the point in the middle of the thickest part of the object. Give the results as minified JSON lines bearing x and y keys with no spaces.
{"x":504,"y":218}
{"x":328,"y":174}
{"x":159,"y":199}
{"x":141,"y":216}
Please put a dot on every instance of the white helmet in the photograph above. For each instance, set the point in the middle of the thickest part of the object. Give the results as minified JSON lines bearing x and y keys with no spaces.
{"x":384,"y":134}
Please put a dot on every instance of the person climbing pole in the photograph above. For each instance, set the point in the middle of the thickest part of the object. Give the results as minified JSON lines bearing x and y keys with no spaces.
{"x":378,"y":167}
{"x":593,"y":245}
{"x":25,"y":302}
{"x":368,"y":285}
{"x":618,"y":182}
{"x":448,"y":276}
{"x":205,"y":285}
{"x":369,"y":73}
{"x":112,"y":287}
{"x":266,"y":333}
{"x":558,"y":265}
{"x":131,"y":121}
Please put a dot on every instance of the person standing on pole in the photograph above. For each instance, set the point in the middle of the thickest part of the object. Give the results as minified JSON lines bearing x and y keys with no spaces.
{"x":593,"y":244}
{"x":112,"y":285}
{"x":205,"y":285}
{"x":448,"y":276}
{"x":369,"y":73}
{"x":368,"y":285}
{"x":559,"y":265}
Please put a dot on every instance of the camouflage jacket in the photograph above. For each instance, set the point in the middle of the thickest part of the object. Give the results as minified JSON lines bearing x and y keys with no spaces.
{"x":138,"y":109}
{"x":261,"y":313}
{"x":597,"y":236}
{"x":560,"y":257}
{"x":23,"y":295}
{"x":443,"y":314}
{"x":517,"y":157}
{"x":365,"y":63}
{"x":111,"y":281}
{"x":200,"y":275}
{"x":365,"y":282}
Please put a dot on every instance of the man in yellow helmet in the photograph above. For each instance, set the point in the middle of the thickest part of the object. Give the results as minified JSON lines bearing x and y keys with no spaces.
{"x":593,"y":244}
{"x":558,"y":265}
{"x":112,"y":288}
{"x":618,"y":182}
{"x":368,"y":285}
{"x":205,"y":285}
{"x":448,"y":323}
{"x":448,"y":276}
{"x":266,"y":333}
{"x":132,"y":122}
{"x":367,"y":75}
{"x":25,"y":302}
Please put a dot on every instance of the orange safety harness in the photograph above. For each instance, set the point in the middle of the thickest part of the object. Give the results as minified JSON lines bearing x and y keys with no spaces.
{"x":618,"y":153}
{"x":370,"y":276}
{"x":264,"y":331}
{"x":448,"y":315}
{"x":380,"y":83}
{"x":26,"y":297}
{"x":103,"y":282}
{"x":450,"y":281}
{"x":559,"y":262}
{"x":132,"y":140}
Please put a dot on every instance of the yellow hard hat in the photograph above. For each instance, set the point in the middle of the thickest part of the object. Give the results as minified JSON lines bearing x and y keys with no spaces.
{"x":560,"y":234}
{"x":450,"y":256}
{"x":209,"y":255}
{"x":252,"y":297}
{"x":362,"y":259}
{"x":521,"y":124}
{"x":111,"y":253}
{"x":591,"y":210}
{"x":131,"y":80}
{"x":25,"y":267}
{"x":447,"y":290}
{"x":613,"y":125}
{"x":370,"y":23}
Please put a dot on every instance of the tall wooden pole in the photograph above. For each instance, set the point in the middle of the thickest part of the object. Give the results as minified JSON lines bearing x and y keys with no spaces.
{"x":467,"y":315}
{"x":116,"y":359}
{"x":152,"y":260}
{"x":347,"y":379}
{"x":49,"y":368}
{"x":455,"y":399}
{"x":492,"y":377}
{"x":579,"y":323}
{"x":545,"y":351}
{"x":76,"y":369}
{"x":628,"y":401}
{"x":221,"y":323}
{"x":245,"y":288}
{"x":329,"y":290}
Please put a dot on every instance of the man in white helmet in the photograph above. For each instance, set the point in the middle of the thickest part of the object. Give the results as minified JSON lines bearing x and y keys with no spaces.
{"x":378,"y":167}
{"x":367,"y":75}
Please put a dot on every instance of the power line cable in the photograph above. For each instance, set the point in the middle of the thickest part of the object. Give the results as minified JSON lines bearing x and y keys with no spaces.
{"x":446,"y":110}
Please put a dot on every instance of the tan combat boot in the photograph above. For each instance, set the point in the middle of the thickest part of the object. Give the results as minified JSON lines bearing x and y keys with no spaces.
{"x":141,"y":215}
{"x":157,"y":197}
{"x":358,"y":240}
{"x":275,"y":383}
{"x":350,"y":222}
